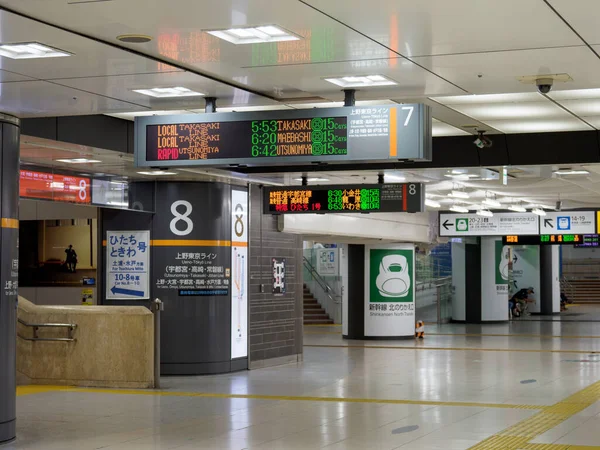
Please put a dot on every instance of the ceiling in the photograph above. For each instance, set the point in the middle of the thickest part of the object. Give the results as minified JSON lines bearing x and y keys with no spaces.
{"x":439,"y":52}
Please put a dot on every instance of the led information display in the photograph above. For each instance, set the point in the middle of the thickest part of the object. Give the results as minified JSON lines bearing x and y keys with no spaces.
{"x":51,"y":186}
{"x":359,"y":198}
{"x":579,"y":240}
{"x":317,"y":137}
{"x":347,"y":134}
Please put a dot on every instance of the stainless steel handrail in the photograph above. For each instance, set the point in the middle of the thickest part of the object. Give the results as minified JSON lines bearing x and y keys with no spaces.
{"x":36,"y":326}
{"x":321,"y":282}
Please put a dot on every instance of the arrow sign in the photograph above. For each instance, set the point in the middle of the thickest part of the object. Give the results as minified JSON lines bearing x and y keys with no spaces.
{"x":116,"y":290}
{"x":446,"y":224}
{"x":548,"y":223}
{"x":515,"y":259}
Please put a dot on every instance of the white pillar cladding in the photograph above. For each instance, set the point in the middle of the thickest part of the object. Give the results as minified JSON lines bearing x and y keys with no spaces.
{"x":494,"y":279}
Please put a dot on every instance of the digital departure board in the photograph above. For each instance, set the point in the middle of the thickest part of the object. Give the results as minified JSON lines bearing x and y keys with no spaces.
{"x":318,"y":137}
{"x":359,"y":198}
{"x":51,"y":186}
{"x":328,"y":135}
{"x":589,"y":240}
{"x":579,"y":240}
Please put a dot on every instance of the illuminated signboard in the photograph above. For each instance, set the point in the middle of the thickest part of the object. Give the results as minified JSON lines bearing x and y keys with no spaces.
{"x":589,"y":240}
{"x":328,"y":135}
{"x":51,"y":186}
{"x":579,"y":240}
{"x":359,"y":198}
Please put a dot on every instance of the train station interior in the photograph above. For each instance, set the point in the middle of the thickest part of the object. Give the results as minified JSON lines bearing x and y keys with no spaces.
{"x":299,"y":224}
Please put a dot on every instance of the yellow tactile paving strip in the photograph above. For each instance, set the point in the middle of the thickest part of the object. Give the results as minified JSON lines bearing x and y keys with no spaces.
{"x":28,"y":390}
{"x":558,"y":447}
{"x":518,"y":436}
{"x":472,"y":349}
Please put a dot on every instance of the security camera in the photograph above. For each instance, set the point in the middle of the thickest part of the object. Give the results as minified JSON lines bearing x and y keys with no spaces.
{"x":558,"y":205}
{"x":544,"y":85}
{"x":482,"y":141}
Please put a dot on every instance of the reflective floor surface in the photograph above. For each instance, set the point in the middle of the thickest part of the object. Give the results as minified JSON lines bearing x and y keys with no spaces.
{"x":523,"y":385}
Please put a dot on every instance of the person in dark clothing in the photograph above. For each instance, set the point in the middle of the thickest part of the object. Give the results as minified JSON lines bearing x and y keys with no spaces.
{"x":563,"y":301}
{"x":71,"y":260}
{"x":517,"y":302}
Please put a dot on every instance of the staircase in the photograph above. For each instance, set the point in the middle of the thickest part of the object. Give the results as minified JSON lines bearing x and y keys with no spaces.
{"x":583,"y":290}
{"x":314,"y":314}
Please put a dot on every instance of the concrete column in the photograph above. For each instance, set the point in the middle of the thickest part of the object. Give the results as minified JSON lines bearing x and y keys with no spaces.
{"x":459,"y":282}
{"x":549,"y":294}
{"x":9,"y":271}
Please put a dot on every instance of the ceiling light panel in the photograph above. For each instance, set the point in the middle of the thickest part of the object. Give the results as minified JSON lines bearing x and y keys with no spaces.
{"x":30,"y":50}
{"x":255,"y":35}
{"x":168,"y":92}
{"x":78,"y":161}
{"x":355,"y":81}
{"x":507,"y":111}
{"x":538,"y":126}
{"x":157,"y":173}
{"x":575,"y":94}
{"x":460,"y":209}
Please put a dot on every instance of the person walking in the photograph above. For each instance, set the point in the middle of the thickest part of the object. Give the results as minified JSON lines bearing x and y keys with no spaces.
{"x":71,"y":259}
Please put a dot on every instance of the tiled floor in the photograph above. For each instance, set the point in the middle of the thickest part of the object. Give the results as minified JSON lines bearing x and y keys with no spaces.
{"x":456,"y":389}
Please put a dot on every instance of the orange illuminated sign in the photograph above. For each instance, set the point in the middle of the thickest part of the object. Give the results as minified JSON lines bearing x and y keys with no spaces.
{"x":50,"y":186}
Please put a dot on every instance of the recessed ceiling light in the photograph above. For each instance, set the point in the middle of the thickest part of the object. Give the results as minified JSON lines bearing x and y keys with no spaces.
{"x":390,"y":177}
{"x":169,"y":92}
{"x":517,"y":208}
{"x":30,"y":50}
{"x":361,"y":81}
{"x":78,"y":161}
{"x":538,"y":211}
{"x":571,"y":172}
{"x":432,"y":203}
{"x":313,"y":180}
{"x":459,"y":194}
{"x":485,"y":213}
{"x":492,"y":202}
{"x":460,"y":209}
{"x":157,"y":173}
{"x":134,"y":38}
{"x":255,"y":35}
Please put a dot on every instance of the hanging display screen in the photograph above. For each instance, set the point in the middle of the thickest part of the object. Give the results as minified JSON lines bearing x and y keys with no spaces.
{"x":578,"y":240}
{"x":51,"y":186}
{"x":320,"y":135}
{"x":365,"y":198}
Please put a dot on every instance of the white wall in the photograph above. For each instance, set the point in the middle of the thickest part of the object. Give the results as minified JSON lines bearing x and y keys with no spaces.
{"x":494,"y":302}
{"x":45,"y":210}
{"x":458,"y":281}
{"x":397,"y":227}
{"x":55,"y":295}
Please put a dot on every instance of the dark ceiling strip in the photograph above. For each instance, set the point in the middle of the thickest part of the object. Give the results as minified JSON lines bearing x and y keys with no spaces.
{"x":140,"y":54}
{"x":384,"y":46}
{"x":571,"y":27}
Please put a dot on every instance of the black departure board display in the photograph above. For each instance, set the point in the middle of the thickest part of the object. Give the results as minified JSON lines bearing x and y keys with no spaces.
{"x":319,"y":137}
{"x":313,"y":136}
{"x":578,"y":240}
{"x":359,"y":198}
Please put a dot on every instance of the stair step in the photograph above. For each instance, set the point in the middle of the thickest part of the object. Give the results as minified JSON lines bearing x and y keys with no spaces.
{"x":312,"y":306}
{"x":318,"y":322}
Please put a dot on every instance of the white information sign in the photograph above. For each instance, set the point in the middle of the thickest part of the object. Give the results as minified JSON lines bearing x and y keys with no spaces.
{"x":128,"y":265}
{"x":498,"y":225}
{"x":568,"y":222}
{"x":327,"y":261}
{"x":239,"y":274}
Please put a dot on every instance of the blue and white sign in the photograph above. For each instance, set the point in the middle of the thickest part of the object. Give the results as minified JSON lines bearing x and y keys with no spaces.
{"x":568,"y":222}
{"x":128,"y":265}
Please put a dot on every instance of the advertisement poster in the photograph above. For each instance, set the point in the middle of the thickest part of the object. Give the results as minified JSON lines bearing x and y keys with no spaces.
{"x":389,"y":286}
{"x":128,"y":265}
{"x":87,"y":297}
{"x":278,"y":276}
{"x":526,"y":272}
{"x":239,"y":274}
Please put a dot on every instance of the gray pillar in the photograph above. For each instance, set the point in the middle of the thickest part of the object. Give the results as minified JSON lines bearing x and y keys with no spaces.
{"x":9,"y":272}
{"x":549,"y":295}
